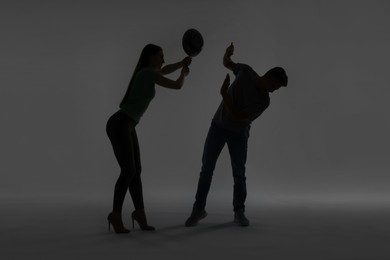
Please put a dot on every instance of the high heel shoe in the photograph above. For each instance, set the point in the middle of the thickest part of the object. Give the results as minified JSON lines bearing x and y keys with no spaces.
{"x":139,"y":216}
{"x":115,"y":220}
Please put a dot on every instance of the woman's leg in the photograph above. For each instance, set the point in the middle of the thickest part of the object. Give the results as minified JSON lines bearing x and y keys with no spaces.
{"x":135,"y":186}
{"x":119,"y":131}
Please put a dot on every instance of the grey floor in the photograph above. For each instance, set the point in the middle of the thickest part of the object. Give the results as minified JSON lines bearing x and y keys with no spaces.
{"x":70,"y":227}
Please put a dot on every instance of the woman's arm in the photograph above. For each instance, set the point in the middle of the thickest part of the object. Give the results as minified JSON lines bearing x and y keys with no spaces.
{"x":237,"y":114}
{"x":173,"y":84}
{"x":167,"y":69}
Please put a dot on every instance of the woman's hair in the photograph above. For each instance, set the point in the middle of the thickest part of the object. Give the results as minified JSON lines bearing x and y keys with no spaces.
{"x":278,"y":74}
{"x":148,"y":51}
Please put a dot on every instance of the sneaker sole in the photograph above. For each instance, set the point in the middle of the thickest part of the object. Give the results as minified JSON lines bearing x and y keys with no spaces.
{"x":197,"y":221}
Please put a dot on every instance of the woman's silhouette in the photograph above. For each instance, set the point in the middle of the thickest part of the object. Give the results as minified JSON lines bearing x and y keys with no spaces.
{"x":122,"y":134}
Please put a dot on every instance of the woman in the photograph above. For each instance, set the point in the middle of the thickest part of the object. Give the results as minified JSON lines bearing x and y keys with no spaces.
{"x":121,"y":130}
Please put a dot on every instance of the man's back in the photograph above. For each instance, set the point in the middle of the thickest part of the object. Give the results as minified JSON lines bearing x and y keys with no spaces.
{"x":245,"y":97}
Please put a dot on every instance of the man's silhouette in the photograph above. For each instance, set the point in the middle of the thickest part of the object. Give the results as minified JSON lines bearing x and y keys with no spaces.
{"x":244,"y":101}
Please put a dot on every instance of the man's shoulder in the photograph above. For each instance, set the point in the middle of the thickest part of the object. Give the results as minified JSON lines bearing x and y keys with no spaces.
{"x":242,"y":67}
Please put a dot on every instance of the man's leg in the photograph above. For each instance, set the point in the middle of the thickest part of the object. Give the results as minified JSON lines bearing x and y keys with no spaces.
{"x":238,"y":146}
{"x":214,"y":144}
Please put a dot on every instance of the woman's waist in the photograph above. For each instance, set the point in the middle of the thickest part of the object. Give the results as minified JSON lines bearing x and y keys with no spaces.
{"x":122,"y":117}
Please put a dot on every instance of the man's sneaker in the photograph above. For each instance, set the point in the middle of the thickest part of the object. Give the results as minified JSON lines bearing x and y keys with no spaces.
{"x":196,"y":215}
{"x":240,"y":219}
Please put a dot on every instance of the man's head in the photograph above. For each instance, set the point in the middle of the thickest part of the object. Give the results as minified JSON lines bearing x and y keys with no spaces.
{"x":275,"y":78}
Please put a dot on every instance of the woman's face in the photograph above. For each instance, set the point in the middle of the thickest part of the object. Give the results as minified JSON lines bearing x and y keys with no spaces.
{"x":157,"y":60}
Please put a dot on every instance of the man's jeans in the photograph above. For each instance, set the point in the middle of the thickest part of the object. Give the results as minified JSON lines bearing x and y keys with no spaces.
{"x":237,"y":144}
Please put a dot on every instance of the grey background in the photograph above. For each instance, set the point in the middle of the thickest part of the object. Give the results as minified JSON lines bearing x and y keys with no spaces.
{"x":65,"y":66}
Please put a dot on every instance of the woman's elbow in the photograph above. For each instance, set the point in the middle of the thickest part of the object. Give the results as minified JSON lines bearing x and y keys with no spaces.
{"x":179,"y":85}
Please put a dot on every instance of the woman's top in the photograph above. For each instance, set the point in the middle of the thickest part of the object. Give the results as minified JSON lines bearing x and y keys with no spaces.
{"x":141,"y":93}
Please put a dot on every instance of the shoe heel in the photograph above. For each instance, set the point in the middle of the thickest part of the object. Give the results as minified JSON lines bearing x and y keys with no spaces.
{"x":116,"y":221}
{"x":132,"y":219}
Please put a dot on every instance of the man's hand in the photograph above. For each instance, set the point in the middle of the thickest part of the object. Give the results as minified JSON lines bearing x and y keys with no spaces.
{"x":227,"y":61}
{"x":225,"y":85}
{"x":229,"y":50}
{"x":237,"y":114}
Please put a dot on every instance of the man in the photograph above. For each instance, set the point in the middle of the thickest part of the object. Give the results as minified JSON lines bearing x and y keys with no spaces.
{"x":244,"y":101}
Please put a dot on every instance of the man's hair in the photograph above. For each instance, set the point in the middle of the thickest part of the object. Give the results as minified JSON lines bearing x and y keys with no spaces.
{"x":278,"y":74}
